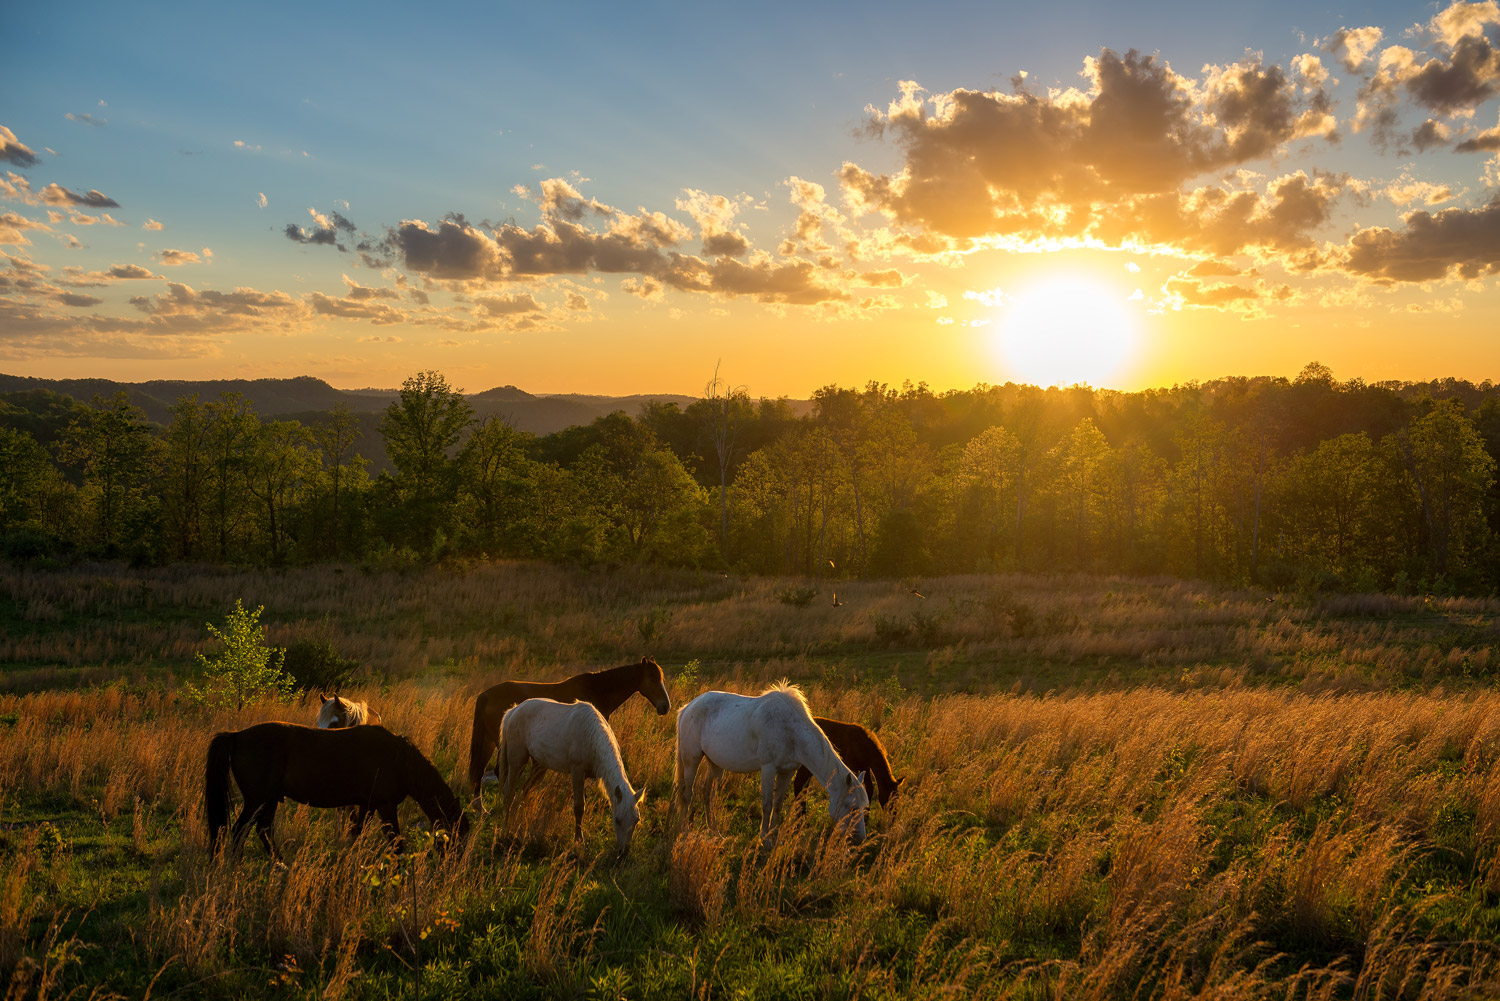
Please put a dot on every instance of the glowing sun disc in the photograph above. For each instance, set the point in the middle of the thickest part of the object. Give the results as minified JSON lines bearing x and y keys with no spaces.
{"x":1067,"y":330}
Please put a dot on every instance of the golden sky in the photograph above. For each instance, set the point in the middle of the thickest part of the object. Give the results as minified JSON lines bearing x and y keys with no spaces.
{"x":1057,"y":196}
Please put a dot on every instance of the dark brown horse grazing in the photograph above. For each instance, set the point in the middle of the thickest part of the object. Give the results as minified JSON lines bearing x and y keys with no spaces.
{"x":862,"y":751}
{"x":366,"y":767}
{"x":606,"y":690}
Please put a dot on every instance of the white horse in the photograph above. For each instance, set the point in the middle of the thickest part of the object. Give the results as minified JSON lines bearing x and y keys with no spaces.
{"x":773,"y":734}
{"x":573,"y":738}
{"x":338,"y":712}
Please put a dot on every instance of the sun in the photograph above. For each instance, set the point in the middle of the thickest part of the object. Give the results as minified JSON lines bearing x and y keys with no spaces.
{"x":1067,"y":329}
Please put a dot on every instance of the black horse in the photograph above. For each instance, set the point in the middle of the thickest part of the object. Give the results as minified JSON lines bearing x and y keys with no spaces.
{"x":366,"y":767}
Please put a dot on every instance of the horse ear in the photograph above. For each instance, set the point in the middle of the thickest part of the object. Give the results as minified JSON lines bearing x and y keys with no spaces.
{"x":325,"y":698}
{"x":859,"y":780}
{"x":899,"y":781}
{"x":640,"y":795}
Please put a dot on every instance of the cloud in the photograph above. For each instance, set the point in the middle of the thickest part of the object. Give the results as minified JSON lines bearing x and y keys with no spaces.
{"x":177,"y":258}
{"x":56,"y":194}
{"x":1186,"y":292}
{"x":1484,"y":142}
{"x":326,"y":233}
{"x":131,"y":271}
{"x":152,"y":225}
{"x":87,"y":119}
{"x":891,"y":278}
{"x":1353,"y":46}
{"x":78,"y":299}
{"x":260,"y":199}
{"x":981,"y":166}
{"x":1456,"y":242}
{"x":12,"y":150}
{"x":507,"y":305}
{"x":714,"y":215}
{"x":181,"y":300}
{"x":13,"y":227}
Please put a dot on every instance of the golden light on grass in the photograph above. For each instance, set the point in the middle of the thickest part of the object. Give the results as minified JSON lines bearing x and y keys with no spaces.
{"x":1067,"y":329}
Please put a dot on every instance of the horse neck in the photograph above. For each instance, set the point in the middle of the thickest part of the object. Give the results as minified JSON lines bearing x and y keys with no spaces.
{"x":816,"y":753}
{"x":427,"y":787}
{"x":608,"y":690}
{"x":607,"y":763}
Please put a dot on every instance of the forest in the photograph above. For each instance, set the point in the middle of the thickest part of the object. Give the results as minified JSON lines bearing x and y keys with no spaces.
{"x":1309,"y":483}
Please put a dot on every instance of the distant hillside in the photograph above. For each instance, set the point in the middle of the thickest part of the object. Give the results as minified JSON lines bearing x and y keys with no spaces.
{"x":305,"y":395}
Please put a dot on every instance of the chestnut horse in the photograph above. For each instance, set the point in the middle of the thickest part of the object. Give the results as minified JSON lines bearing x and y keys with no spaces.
{"x":605,"y":690}
{"x":862,"y":751}
{"x":366,"y":767}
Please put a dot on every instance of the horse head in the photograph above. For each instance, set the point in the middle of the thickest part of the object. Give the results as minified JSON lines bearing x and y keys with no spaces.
{"x":654,"y":686}
{"x":333,"y":715}
{"x":848,"y":801}
{"x":627,"y":813}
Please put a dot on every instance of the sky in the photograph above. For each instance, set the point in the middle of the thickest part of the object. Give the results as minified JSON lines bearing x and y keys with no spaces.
{"x":629,"y":198}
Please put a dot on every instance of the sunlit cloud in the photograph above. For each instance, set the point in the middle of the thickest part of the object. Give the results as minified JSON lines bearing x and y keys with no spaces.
{"x":13,"y":151}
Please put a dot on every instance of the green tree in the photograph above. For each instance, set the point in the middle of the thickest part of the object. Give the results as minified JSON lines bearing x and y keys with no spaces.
{"x":1451,"y":473}
{"x":344,"y":468}
{"x":112,"y":445}
{"x":245,"y":669}
{"x":282,"y":467}
{"x":422,"y":429}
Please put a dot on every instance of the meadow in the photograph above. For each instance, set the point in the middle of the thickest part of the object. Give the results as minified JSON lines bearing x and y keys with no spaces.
{"x":1115,"y":787}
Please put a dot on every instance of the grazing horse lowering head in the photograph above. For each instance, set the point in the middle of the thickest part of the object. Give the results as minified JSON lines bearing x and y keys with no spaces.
{"x":338,"y":712}
{"x":627,"y":813}
{"x":848,"y":801}
{"x":654,"y":686}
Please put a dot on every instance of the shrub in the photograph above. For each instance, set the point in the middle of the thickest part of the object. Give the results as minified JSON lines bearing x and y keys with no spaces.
{"x":246,"y":669}
{"x":315,"y":665}
{"x":797,"y":597}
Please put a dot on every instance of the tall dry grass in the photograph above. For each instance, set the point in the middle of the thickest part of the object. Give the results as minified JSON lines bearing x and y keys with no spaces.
{"x":1233,"y":843}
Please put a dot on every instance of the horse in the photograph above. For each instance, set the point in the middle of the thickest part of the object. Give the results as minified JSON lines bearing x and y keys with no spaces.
{"x":338,"y":712}
{"x":606,"y":690}
{"x":573,"y":738}
{"x":857,"y":747}
{"x":366,"y":767}
{"x":772,"y":733}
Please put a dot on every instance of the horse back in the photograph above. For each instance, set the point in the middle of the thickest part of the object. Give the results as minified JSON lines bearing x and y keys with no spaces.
{"x":355,"y":766}
{"x":860,"y":750}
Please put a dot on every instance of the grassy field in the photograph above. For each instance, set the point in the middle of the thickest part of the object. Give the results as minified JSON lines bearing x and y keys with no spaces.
{"x":1115,"y":788}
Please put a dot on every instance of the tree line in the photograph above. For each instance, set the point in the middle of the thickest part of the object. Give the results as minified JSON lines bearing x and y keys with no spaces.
{"x":1307,"y":483}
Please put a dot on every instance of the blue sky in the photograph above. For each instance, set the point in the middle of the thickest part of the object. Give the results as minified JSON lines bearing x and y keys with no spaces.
{"x":212,"y":130}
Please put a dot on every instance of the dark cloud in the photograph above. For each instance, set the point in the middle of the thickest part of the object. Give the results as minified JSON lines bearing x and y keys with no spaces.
{"x":1485,"y":142}
{"x":327,"y":237}
{"x":726,"y":244}
{"x":1454,"y":242}
{"x":1429,"y":134}
{"x":13,"y":151}
{"x":56,"y":194}
{"x":1468,"y":78}
{"x":78,"y":299}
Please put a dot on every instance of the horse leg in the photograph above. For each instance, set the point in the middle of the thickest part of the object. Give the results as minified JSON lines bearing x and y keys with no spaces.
{"x":783,"y":780}
{"x":357,"y":818}
{"x":390,"y":822}
{"x":237,"y":833}
{"x":803,"y":777}
{"x":578,"y":804}
{"x":687,"y":773}
{"x":769,"y":801}
{"x":265,"y":817}
{"x":711,"y":787}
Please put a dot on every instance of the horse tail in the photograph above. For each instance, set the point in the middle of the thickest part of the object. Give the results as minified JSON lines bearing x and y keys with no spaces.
{"x":481,"y":744}
{"x":216,"y":786}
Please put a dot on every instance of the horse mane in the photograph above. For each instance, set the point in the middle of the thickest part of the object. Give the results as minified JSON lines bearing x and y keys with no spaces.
{"x":787,"y":688}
